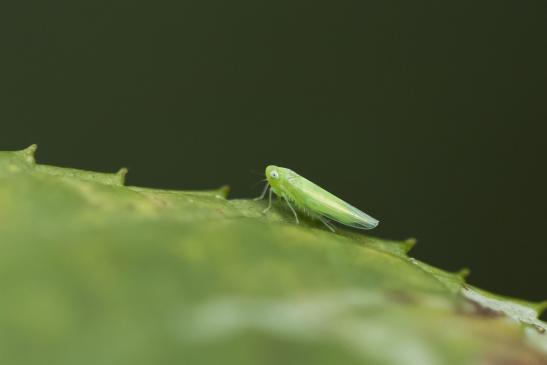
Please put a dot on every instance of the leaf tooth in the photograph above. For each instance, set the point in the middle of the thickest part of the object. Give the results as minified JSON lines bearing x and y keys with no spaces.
{"x":464,"y":273}
{"x":223,"y":191}
{"x":541,"y":307}
{"x":409,"y":243}
{"x":29,"y":153}
{"x":121,"y":174}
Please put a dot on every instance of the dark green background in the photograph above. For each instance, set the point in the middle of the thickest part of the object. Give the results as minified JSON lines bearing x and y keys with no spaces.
{"x":428,"y":115}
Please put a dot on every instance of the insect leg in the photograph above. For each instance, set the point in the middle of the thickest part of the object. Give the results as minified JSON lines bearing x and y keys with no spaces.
{"x":269,"y":201}
{"x":326,"y":222}
{"x":263,"y":192}
{"x":293,"y":211}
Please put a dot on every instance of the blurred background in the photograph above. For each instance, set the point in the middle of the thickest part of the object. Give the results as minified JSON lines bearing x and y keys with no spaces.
{"x":428,"y":115}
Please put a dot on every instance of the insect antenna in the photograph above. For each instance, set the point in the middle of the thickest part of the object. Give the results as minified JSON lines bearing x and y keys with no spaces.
{"x":253,"y":185}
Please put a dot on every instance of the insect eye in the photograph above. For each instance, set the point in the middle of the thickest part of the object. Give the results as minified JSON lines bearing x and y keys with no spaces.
{"x":274,"y":174}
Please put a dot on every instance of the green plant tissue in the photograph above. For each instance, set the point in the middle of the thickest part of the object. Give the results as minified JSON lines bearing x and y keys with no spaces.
{"x":96,"y":272}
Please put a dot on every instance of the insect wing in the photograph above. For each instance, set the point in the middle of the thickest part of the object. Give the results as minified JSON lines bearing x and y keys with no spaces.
{"x":320,"y":201}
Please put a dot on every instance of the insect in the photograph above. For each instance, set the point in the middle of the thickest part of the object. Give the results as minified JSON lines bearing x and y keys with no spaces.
{"x":312,"y":200}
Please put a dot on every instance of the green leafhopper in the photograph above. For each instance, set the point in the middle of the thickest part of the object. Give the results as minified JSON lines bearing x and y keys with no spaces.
{"x":313,"y":200}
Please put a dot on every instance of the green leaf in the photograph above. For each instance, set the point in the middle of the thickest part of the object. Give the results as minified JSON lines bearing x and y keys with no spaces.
{"x":95,"y":272}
